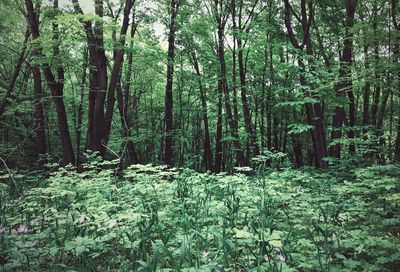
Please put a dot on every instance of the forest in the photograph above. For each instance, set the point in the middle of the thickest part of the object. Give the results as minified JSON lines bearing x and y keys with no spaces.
{"x":200,"y":135}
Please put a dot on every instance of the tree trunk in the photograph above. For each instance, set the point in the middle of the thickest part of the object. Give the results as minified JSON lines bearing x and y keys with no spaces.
{"x":345,"y":85}
{"x":396,"y":58}
{"x":40,"y":139}
{"x":56,"y":85}
{"x":14,"y":76}
{"x":203,"y":100}
{"x":223,"y":85}
{"x":218,"y":140}
{"x":313,"y":113}
{"x":168,"y":138}
{"x":367,"y":90}
{"x":116,"y":72}
{"x":123,"y":101}
{"x":297,"y":150}
{"x":80,"y":108}
{"x":245,"y":102}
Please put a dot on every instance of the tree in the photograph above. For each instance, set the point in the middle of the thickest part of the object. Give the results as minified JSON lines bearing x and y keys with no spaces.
{"x":168,"y":138}
{"x":56,"y":84}
{"x":345,"y":84}
{"x":314,"y":112}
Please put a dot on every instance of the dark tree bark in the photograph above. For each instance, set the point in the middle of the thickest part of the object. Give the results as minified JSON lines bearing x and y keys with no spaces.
{"x":345,"y":85}
{"x":203,"y":100}
{"x":80,"y":108}
{"x":123,"y":101}
{"x":169,"y":127}
{"x":56,"y":85}
{"x":218,"y":140}
{"x":269,"y":103}
{"x":382,"y":110}
{"x":99,"y":122}
{"x":367,"y":90}
{"x":40,"y":139}
{"x":377,"y":87}
{"x":116,"y":71}
{"x":97,"y":78}
{"x":396,"y":58}
{"x":221,"y":17}
{"x":234,"y":75}
{"x":240,"y":29}
{"x":297,"y":150}
{"x":313,"y":111}
{"x":14,"y":76}
{"x":375,"y":104}
{"x":100,"y":61}
{"x":264,"y":101}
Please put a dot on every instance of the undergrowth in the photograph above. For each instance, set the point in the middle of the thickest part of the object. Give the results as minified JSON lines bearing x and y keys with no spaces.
{"x":148,"y":218}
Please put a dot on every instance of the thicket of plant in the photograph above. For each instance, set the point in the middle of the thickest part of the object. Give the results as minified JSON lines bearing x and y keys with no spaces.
{"x":148,"y":218}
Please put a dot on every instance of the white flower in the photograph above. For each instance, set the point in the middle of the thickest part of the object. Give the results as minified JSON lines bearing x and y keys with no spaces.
{"x":112,"y":224}
{"x":81,"y":219}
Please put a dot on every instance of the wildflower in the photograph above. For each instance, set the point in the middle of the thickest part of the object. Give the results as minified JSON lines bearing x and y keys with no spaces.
{"x":2,"y":230}
{"x":33,"y":222}
{"x":334,"y":235}
{"x":81,"y":219}
{"x":46,"y":218}
{"x":34,"y":243}
{"x":112,"y":224}
{"x":205,"y":254}
{"x":22,"y":229}
{"x":266,"y":258}
{"x":282,"y":258}
{"x":13,"y":231}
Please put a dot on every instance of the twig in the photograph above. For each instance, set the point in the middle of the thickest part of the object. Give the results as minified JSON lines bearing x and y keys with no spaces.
{"x":11,"y":176}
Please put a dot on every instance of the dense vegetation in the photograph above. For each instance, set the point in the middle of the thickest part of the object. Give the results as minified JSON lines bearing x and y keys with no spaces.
{"x":202,"y":84}
{"x":149,"y":218}
{"x":190,"y":135}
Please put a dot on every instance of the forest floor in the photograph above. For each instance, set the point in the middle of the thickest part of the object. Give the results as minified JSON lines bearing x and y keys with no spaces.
{"x":149,"y":218}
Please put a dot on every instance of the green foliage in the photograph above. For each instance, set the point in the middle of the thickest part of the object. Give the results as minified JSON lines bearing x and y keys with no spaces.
{"x":150,"y":218}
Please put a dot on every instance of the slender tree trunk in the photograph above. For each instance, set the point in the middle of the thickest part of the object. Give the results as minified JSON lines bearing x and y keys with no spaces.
{"x":56,"y":85}
{"x":344,"y":85}
{"x":382,"y":109}
{"x":14,"y":76}
{"x":40,"y":139}
{"x":375,"y":104}
{"x":223,"y":85}
{"x":123,"y":101}
{"x":116,"y":72}
{"x":367,"y":90}
{"x":234,"y":84}
{"x":168,"y":138}
{"x":377,"y":87}
{"x":269,"y":101}
{"x":313,"y":113}
{"x":396,"y":59}
{"x":203,"y":100}
{"x":297,"y":150}
{"x":264,"y":101}
{"x":218,"y":140}
{"x":80,"y":108}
